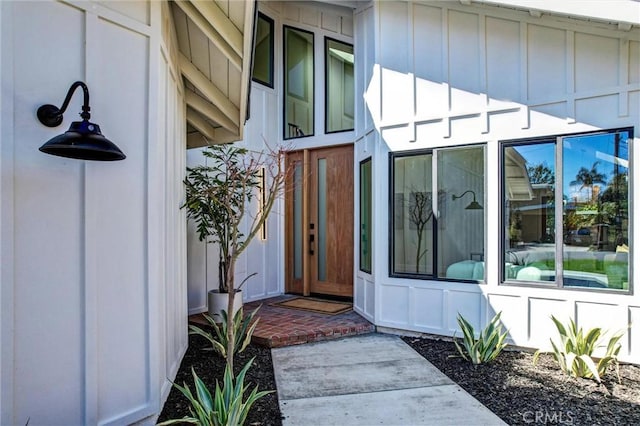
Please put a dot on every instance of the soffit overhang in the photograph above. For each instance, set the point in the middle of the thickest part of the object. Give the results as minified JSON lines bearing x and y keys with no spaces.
{"x":517,"y":182}
{"x":215,"y":43}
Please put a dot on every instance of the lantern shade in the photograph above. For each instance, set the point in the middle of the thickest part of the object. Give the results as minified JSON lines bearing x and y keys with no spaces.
{"x":83,"y":141}
{"x":474,"y":205}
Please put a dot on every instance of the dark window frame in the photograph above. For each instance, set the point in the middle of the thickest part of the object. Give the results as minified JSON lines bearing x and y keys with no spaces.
{"x":285,"y":124}
{"x":556,"y":139}
{"x":434,"y":221}
{"x":370,"y":215}
{"x":271,"y":23}
{"x":326,"y":86}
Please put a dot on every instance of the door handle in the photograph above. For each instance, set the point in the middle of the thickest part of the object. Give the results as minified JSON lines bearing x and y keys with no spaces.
{"x":312,"y":243}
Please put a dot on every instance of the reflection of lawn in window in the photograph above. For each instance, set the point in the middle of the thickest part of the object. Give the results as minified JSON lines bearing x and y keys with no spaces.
{"x":615,"y":272}
{"x":584,"y":265}
{"x":579,"y":265}
{"x":612,"y":274}
{"x":590,"y":265}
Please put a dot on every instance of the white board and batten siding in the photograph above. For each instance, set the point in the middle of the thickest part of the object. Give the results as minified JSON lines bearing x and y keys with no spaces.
{"x":93,"y":299}
{"x":367,"y":139}
{"x":438,"y":74}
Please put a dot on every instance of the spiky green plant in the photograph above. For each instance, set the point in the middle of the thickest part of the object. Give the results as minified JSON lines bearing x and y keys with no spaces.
{"x":243,"y":328}
{"x":487,"y":346}
{"x":574,"y":353}
{"x":227,"y":406}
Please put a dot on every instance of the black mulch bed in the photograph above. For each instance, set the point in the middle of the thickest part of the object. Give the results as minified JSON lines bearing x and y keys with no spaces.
{"x":511,"y":386}
{"x":209,"y":366}
{"x":522,"y":393}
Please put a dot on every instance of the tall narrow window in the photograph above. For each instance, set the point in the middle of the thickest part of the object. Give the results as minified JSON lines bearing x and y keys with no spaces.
{"x":438,"y":214}
{"x":322,"y":219}
{"x":412,"y":215}
{"x":529,"y":211}
{"x":263,"y":51}
{"x":595,"y":185}
{"x":461,"y":213}
{"x":297,"y":220}
{"x":566,"y":218}
{"x":365,"y":215}
{"x":339,"y":102}
{"x":298,"y":83}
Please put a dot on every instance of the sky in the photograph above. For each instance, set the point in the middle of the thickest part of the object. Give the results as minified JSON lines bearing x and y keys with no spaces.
{"x":581,"y":151}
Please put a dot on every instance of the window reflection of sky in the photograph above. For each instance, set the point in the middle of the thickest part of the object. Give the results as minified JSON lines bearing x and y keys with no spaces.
{"x":585,"y":151}
{"x":581,"y":151}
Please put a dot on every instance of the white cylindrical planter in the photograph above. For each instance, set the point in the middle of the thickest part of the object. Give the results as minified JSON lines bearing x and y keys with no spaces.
{"x":217,"y":302}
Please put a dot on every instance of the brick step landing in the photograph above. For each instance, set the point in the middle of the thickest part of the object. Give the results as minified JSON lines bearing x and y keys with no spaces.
{"x":280,"y":326}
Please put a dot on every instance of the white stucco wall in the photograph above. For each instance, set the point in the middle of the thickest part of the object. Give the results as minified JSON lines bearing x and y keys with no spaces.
{"x":93,"y":298}
{"x":445,"y":74}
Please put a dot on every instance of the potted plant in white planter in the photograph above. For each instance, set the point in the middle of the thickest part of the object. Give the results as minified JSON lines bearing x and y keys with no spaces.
{"x":218,"y":197}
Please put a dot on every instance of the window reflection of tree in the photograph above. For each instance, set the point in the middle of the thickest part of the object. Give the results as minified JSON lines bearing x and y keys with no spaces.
{"x":420,"y":213}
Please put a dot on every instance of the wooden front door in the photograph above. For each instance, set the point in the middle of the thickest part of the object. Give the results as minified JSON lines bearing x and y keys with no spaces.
{"x":319,"y":222}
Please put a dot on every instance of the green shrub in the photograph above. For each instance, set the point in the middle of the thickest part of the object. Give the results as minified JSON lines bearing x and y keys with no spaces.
{"x":487,"y":346}
{"x":242,"y":330}
{"x":226,"y":407}
{"x":574,"y":354}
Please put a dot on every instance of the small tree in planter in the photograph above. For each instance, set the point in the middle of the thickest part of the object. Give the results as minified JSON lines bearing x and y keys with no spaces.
{"x":218,"y":195}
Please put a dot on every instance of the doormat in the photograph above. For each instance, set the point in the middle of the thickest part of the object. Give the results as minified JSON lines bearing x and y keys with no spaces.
{"x":314,"y":305}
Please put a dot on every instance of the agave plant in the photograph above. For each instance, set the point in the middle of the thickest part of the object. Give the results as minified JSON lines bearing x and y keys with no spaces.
{"x":487,"y":346}
{"x":225,"y":407}
{"x":574,"y":354}
{"x":243,"y":328}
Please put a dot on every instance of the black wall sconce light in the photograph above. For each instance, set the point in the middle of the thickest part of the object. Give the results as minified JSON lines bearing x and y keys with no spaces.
{"x":474,"y":205}
{"x":83,"y":140}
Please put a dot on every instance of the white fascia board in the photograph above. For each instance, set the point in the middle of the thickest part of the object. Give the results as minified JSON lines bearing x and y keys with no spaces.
{"x":352,"y":4}
{"x":619,"y":11}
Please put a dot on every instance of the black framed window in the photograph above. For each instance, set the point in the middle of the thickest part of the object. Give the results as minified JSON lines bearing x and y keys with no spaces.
{"x":339,"y":86}
{"x":437,"y":214}
{"x":298,"y":83}
{"x":566,"y":210}
{"x":365,"y":215}
{"x":263,"y":51}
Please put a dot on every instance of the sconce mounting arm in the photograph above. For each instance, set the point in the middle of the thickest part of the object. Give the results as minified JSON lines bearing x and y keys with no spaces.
{"x":51,"y":115}
{"x":455,"y":197}
{"x":474,"y":205}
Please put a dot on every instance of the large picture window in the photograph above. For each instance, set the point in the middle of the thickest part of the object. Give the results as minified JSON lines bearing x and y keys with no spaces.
{"x":437,"y":217}
{"x":298,"y":83}
{"x":566,"y":210}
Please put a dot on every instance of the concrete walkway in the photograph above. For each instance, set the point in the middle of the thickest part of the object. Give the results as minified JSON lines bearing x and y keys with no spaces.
{"x":373,"y":379}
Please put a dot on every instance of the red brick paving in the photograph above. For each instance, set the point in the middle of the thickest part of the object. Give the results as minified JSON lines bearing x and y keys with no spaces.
{"x":281,"y":326}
